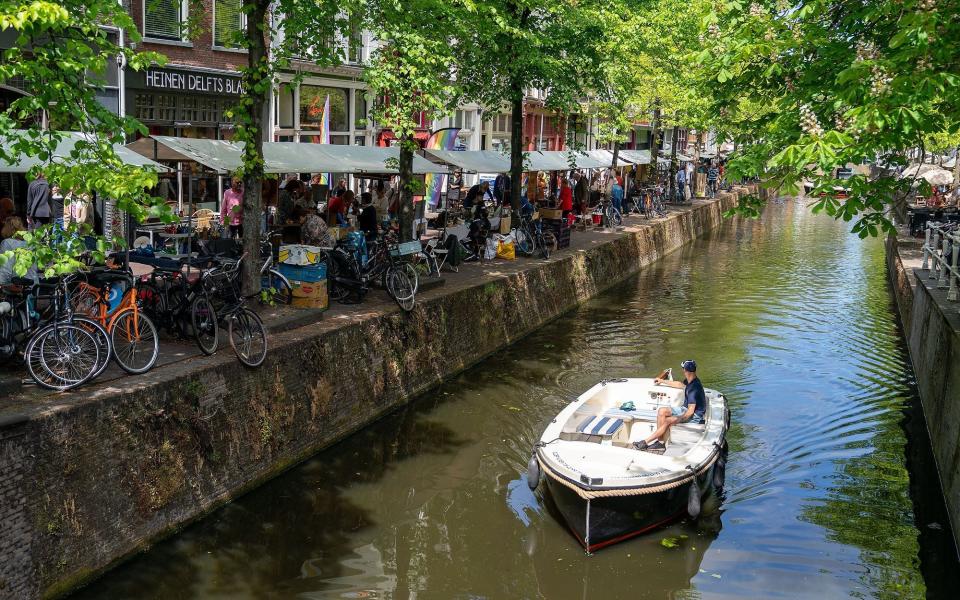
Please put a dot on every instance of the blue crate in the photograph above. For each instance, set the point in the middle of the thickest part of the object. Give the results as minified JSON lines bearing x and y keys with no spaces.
{"x":307,"y":273}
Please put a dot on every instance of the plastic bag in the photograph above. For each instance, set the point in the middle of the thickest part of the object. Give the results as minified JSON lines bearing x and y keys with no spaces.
{"x":507,"y":251}
{"x":491,"y":250}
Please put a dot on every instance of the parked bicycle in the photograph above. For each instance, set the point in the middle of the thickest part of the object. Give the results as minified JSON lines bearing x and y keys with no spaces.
{"x":350,"y":276}
{"x":60,"y":350}
{"x":110,"y":298}
{"x":245,"y":330}
{"x":174,"y":297}
{"x":532,"y":240}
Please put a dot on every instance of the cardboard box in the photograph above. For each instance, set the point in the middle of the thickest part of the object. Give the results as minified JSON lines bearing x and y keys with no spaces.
{"x":306,"y":273}
{"x":310,"y":294}
{"x":551,"y":213}
{"x":505,"y":225}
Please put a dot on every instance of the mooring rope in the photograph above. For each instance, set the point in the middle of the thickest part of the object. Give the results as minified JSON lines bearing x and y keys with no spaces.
{"x":592,"y":494}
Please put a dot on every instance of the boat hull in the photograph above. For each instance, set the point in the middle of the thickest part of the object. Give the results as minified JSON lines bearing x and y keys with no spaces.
{"x":612,"y":519}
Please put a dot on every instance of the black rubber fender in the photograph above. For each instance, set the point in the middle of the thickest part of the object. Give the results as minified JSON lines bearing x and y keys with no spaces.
{"x":719,"y":473}
{"x":533,"y":472}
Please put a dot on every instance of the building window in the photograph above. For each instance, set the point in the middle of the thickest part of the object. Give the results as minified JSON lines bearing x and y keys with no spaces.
{"x":355,"y":42}
{"x":359,"y":110}
{"x":285,"y":106}
{"x":228,"y":20}
{"x":463,"y":119}
{"x":312,"y":100}
{"x":164,"y":19}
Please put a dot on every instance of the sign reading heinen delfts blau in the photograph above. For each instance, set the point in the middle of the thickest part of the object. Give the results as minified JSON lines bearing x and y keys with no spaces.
{"x":192,"y":81}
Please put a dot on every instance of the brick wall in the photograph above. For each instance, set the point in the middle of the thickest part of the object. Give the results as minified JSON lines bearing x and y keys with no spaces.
{"x":95,"y":479}
{"x":201,"y":54}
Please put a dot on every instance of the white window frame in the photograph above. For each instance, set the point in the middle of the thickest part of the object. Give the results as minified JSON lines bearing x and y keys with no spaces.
{"x":184,"y":18}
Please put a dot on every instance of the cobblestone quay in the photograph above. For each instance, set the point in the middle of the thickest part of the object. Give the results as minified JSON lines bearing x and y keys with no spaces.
{"x":91,"y":477}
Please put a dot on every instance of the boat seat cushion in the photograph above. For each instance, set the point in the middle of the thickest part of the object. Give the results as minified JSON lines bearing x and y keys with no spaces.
{"x":597,"y":425}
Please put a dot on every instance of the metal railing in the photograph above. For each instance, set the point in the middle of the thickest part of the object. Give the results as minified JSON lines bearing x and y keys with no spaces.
{"x":941,"y":247}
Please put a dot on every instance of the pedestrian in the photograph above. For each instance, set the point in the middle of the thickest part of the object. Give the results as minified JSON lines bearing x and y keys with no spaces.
{"x":231,"y":209}
{"x":341,"y":188}
{"x":689,"y":191}
{"x":38,"y":202}
{"x":681,"y":183}
{"x":566,"y":198}
{"x":500,"y":185}
{"x":7,"y":208}
{"x":367,"y":219}
{"x":712,"y":174}
{"x":581,"y":193}
{"x":616,"y":194}
{"x":381,"y":198}
{"x":10,"y":233}
{"x":337,"y":209}
{"x":76,"y":210}
{"x":57,"y":201}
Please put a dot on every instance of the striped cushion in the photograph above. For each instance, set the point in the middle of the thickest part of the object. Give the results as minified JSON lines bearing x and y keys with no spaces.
{"x":600,"y":426}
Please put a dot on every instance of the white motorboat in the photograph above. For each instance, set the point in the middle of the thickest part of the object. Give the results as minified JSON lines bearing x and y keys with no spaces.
{"x":607,"y":490}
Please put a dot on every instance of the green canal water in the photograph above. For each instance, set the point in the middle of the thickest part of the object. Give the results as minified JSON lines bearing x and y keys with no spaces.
{"x":830,"y":493}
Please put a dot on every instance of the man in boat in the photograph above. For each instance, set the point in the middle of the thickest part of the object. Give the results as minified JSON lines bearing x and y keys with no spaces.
{"x":693,"y":408}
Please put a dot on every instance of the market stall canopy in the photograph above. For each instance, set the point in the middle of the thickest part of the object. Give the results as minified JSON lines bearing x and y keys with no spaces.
{"x":637,"y":157}
{"x":66,"y":146}
{"x":916,"y":170}
{"x":606,"y":157}
{"x":282,"y":157}
{"x":472,"y":161}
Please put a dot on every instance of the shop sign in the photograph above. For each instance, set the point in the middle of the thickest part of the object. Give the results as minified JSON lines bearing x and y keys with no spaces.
{"x":192,"y":81}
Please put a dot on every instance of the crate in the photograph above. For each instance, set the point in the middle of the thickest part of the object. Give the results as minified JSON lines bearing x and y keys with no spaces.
{"x":551,"y":213}
{"x":406,"y":248}
{"x":306,"y":273}
{"x":310,"y":294}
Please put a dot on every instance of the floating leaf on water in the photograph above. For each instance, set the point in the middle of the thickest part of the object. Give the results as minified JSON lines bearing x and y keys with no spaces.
{"x":669,"y":542}
{"x":716,"y":575}
{"x":513,"y":408}
{"x":665,"y":329}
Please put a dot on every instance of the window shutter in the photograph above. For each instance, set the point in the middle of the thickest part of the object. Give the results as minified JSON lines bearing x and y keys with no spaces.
{"x":162,"y":19}
{"x":227,"y":21}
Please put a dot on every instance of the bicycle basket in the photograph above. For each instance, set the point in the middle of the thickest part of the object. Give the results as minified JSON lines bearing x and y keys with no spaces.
{"x":223,"y":284}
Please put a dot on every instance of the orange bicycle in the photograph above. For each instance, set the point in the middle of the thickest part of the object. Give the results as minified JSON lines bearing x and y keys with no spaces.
{"x":110,"y":298}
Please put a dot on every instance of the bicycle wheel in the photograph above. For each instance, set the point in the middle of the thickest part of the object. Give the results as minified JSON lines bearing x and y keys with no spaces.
{"x":248,"y":338}
{"x":617,"y":217}
{"x":203,"y":319}
{"x":136,"y":344}
{"x":282,"y":292}
{"x":413,"y":275}
{"x":103,"y":339}
{"x":62,"y":356}
{"x":400,"y":287}
{"x":336,"y":290}
{"x":524,"y":241}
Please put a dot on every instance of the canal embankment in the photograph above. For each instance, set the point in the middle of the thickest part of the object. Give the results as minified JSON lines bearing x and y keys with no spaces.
{"x":91,"y":477}
{"x":931,"y":327}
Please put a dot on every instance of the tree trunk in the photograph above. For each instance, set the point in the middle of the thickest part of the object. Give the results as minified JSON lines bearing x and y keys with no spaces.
{"x":673,"y":161}
{"x":616,"y":151}
{"x":654,"y":136}
{"x":407,"y":144}
{"x":257,"y":90}
{"x":516,"y":149}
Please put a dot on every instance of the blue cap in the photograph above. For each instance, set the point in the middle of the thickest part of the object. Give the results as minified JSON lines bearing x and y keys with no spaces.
{"x":689,"y":365}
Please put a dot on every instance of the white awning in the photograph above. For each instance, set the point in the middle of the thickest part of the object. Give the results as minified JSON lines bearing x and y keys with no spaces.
{"x":492,"y":161}
{"x":637,"y":157}
{"x":66,"y":146}
{"x":606,"y":157}
{"x":284,"y":157}
{"x":473,"y":161}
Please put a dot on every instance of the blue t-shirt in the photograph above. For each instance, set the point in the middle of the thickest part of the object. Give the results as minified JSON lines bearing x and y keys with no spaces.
{"x":693,"y":394}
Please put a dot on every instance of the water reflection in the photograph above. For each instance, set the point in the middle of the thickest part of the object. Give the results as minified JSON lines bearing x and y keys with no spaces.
{"x":789,"y":315}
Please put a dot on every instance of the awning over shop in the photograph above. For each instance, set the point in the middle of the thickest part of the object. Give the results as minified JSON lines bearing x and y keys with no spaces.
{"x":637,"y":157}
{"x":492,"y":161}
{"x":66,"y":146}
{"x":282,"y":157}
{"x":606,"y":158}
{"x":472,"y":161}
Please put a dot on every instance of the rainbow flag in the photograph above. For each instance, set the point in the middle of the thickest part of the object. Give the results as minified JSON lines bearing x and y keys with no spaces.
{"x":442,"y":139}
{"x":325,"y":135}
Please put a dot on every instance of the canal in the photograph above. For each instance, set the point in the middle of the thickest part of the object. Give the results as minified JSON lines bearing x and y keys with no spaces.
{"x":831,"y":490}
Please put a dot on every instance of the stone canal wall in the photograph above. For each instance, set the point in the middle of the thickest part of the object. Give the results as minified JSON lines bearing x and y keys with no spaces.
{"x":932,"y":330}
{"x":104,"y":474}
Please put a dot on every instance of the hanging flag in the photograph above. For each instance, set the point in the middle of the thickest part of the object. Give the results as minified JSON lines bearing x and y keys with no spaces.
{"x":325,"y":136}
{"x":442,"y":139}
